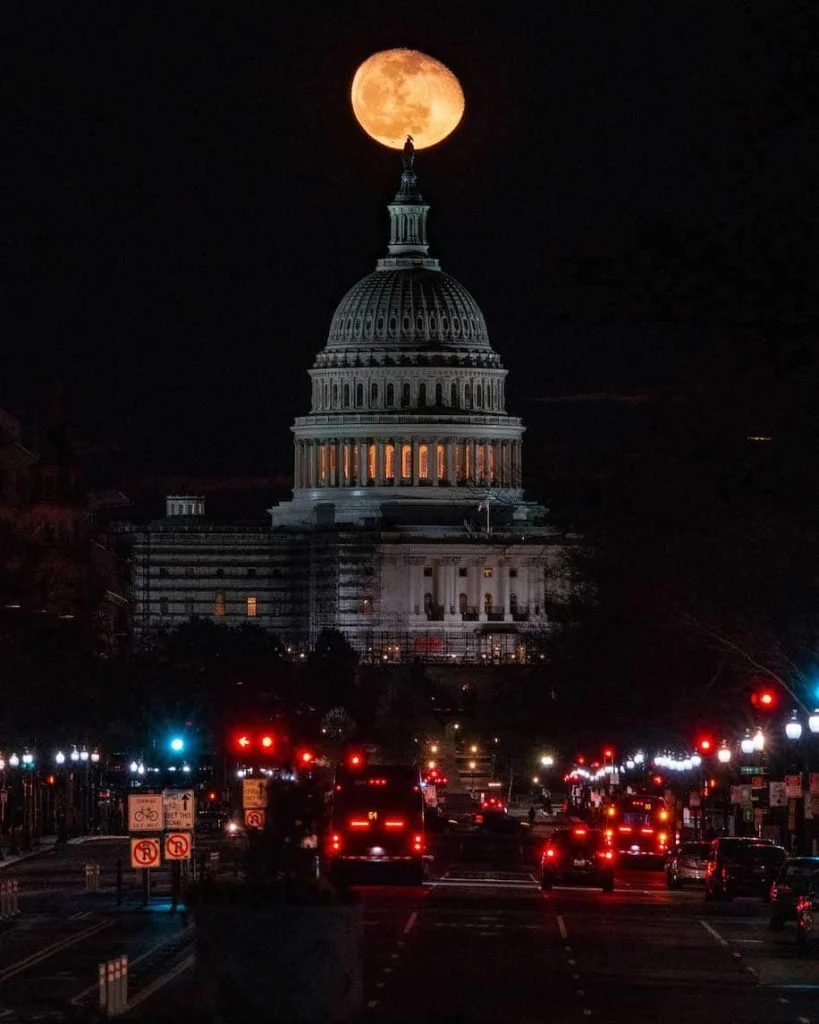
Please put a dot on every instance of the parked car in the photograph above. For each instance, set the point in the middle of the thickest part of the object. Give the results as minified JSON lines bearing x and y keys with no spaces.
{"x":807,"y":906}
{"x":578,"y":854}
{"x":742,"y":867}
{"x":686,"y":863}
{"x":795,"y":878}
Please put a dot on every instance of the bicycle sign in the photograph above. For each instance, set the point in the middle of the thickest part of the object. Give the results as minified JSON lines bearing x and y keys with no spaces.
{"x":144,"y":812}
{"x":145,"y":853}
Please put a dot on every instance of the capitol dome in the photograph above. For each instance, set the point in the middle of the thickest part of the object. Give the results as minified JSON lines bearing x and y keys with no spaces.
{"x":408,"y":307}
{"x":408,"y":397}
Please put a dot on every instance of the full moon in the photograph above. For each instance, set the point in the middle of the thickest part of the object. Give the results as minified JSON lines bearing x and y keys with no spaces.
{"x":396,"y":93}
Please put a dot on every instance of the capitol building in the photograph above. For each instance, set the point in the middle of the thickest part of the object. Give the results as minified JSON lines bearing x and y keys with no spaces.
{"x":408,"y":529}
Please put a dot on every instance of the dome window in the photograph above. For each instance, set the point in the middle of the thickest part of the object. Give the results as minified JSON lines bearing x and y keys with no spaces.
{"x":407,"y":322}
{"x":373,"y":394}
{"x":456,"y":326}
{"x":335,"y":396}
{"x":357,"y":324}
{"x":349,"y":324}
{"x":439,"y":395}
{"x":405,"y":396}
{"x":422,"y":394}
{"x":390,"y":395}
{"x":368,"y":326}
{"x":380,"y":325}
{"x":393,"y":324}
{"x":432,"y":324}
{"x":419,"y":323}
{"x":453,"y":395}
{"x":444,"y":323}
{"x":479,"y":397}
{"x":346,"y":395}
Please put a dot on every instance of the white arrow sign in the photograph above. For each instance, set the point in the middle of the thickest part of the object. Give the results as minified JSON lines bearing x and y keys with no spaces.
{"x":179,"y":809}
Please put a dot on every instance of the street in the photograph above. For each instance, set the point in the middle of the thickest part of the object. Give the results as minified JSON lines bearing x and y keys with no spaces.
{"x":478,"y":942}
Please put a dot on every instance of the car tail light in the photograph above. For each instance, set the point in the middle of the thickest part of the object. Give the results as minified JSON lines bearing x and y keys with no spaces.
{"x":335,"y":843}
{"x":776,"y":890}
{"x":395,"y":824}
{"x":647,"y":831}
{"x":479,"y":819}
{"x":605,"y":854}
{"x":359,"y":823}
{"x":625,"y":828}
{"x":550,"y":853}
{"x":418,"y":844}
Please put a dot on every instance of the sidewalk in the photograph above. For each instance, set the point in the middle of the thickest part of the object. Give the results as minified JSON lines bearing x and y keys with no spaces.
{"x":46,"y":845}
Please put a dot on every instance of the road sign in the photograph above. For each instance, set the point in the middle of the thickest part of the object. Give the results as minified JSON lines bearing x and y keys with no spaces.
{"x":178,"y":846}
{"x":793,"y":786}
{"x":179,"y":810}
{"x":145,"y":852}
{"x":144,"y":812}
{"x":254,"y":818}
{"x":814,"y":782}
{"x":254,"y":794}
{"x":777,"y":796}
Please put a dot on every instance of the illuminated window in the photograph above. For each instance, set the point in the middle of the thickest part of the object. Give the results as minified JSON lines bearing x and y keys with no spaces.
{"x":462,"y":604}
{"x":251,"y":607}
{"x":367,"y":606}
{"x":406,"y":461}
{"x":323,"y":464}
{"x":356,"y":464}
{"x":481,"y":460}
{"x":439,"y":461}
{"x":488,"y":572}
{"x":467,"y":460}
{"x":371,"y":462}
{"x":459,"y":460}
{"x":346,"y":462}
{"x":423,"y":467}
{"x":332,"y":448}
{"x":219,"y":608}
{"x":491,"y":462}
{"x":389,"y":462}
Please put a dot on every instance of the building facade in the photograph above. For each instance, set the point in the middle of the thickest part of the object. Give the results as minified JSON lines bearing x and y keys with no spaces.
{"x":408,"y":529}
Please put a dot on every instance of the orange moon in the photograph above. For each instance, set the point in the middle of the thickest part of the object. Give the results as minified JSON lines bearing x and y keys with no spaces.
{"x":396,"y":93}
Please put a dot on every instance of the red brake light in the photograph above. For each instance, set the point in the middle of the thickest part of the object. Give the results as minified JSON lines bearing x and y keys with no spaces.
{"x":395,"y":824}
{"x":605,"y":854}
{"x":355,"y":760}
{"x":580,"y":831}
{"x":305,"y":757}
{"x":359,"y":823}
{"x":335,"y":843}
{"x":550,"y":852}
{"x":418,"y":843}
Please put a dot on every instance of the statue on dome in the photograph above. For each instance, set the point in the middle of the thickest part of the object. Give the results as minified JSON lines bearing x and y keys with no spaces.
{"x":408,"y":156}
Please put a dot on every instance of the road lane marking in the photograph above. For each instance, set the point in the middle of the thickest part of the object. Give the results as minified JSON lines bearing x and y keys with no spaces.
{"x":56,"y":947}
{"x":561,"y":924}
{"x":410,"y":922}
{"x":714,"y":933}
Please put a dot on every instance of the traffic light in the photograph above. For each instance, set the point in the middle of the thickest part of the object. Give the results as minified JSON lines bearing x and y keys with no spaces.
{"x":305,"y":758}
{"x":355,"y":760}
{"x":706,"y":745}
{"x":176,"y":744}
{"x":765,"y":699}
{"x":243,"y":742}
{"x":266,"y":742}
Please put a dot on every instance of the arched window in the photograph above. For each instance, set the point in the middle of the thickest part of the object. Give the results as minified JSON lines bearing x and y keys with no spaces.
{"x":468,"y":396}
{"x":389,"y":462}
{"x":487,"y":603}
{"x":479,"y":397}
{"x":423,"y":461}
{"x":390,"y":395}
{"x":371,"y":466}
{"x":359,"y":395}
{"x":453,"y":395}
{"x":335,"y":396}
{"x":439,"y":395}
{"x":440,"y":470}
{"x":462,"y":604}
{"x":347,"y":396}
{"x":406,"y":461}
{"x":422,"y":394}
{"x":373,"y":394}
{"x":405,"y":396}
{"x":326,"y":396}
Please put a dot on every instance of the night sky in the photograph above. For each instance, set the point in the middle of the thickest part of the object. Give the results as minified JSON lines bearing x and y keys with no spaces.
{"x":188,"y":196}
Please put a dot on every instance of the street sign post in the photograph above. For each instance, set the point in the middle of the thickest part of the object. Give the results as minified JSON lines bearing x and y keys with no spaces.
{"x":144,"y":812}
{"x":145,"y":852}
{"x":254,"y":794}
{"x":177,"y":846}
{"x":178,"y":810}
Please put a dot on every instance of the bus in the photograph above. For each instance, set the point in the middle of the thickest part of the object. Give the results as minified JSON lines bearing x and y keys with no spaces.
{"x":638,"y":826}
{"x":376,"y":823}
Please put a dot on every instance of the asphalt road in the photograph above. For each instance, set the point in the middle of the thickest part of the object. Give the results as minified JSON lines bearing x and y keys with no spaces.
{"x":478,"y":942}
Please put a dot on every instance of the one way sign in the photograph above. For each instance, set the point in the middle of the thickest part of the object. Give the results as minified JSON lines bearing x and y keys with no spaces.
{"x":178,"y":809}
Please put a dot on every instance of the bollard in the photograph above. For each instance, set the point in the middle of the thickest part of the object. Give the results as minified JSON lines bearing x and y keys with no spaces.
{"x":92,"y":876}
{"x":113,"y":986}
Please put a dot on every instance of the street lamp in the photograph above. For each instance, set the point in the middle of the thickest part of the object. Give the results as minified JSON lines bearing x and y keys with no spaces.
{"x":793,"y":729}
{"x":472,"y":767}
{"x":473,"y":749}
{"x":747,"y":744}
{"x":547,"y":761}
{"x":59,"y":757}
{"x":14,"y":761}
{"x":813,"y":721}
{"x":724,"y":753}
{"x":759,"y":740}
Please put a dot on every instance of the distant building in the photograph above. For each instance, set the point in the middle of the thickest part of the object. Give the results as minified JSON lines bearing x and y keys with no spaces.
{"x":408,"y":529}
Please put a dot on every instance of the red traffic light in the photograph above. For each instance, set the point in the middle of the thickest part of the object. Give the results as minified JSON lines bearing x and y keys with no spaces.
{"x":267,"y":742}
{"x":305,"y":757}
{"x":355,"y":760}
{"x":705,"y":744}
{"x":765,"y":699}
{"x":243,"y":741}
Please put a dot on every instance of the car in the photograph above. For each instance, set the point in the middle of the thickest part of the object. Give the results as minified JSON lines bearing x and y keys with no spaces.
{"x":742,"y":867}
{"x":686,"y":863}
{"x":796,"y":876}
{"x":577,"y":854}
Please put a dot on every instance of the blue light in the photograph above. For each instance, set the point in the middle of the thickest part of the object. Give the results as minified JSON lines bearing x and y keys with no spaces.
{"x":177,"y":744}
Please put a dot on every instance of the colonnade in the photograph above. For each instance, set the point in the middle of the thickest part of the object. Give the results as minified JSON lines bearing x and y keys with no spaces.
{"x":407,"y":462}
